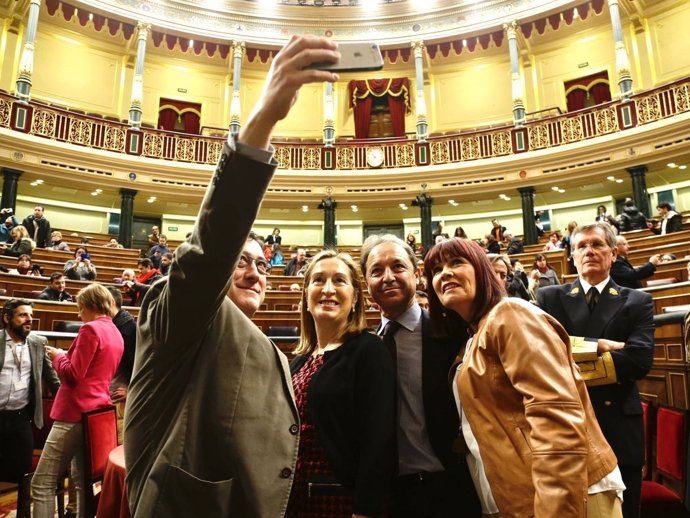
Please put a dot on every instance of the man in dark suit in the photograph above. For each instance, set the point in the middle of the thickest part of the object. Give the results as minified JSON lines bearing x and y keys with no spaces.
{"x":621,"y":322}
{"x":38,"y":228}
{"x":433,"y":481}
{"x":23,"y":366}
{"x":623,"y":273}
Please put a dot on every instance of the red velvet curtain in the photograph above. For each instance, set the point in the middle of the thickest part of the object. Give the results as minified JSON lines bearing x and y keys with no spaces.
{"x":576,"y":99}
{"x":595,"y":86}
{"x":396,"y":105}
{"x":601,"y":92}
{"x":189,"y":114}
{"x":167,"y":118}
{"x":397,"y":91}
{"x":362,"y":117}
{"x":191,"y":122}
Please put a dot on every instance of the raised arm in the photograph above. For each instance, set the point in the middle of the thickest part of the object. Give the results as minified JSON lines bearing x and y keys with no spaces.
{"x":200,"y":274}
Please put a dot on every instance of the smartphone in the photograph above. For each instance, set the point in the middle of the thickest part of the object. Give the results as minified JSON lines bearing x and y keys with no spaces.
{"x":354,"y":57}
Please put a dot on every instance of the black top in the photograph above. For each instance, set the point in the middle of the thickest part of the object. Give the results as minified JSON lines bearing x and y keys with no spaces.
{"x":623,"y":273}
{"x":51,"y":293}
{"x":352,"y":403}
{"x":270,"y":240}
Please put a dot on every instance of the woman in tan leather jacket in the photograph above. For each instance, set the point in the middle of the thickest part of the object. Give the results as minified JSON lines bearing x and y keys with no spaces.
{"x":534,"y":445}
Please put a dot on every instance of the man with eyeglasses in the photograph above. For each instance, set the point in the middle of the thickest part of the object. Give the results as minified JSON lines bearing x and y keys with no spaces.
{"x":620,"y":320}
{"x":211,"y":427}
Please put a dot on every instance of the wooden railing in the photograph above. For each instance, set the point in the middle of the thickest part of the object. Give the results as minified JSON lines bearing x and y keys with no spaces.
{"x":57,"y":123}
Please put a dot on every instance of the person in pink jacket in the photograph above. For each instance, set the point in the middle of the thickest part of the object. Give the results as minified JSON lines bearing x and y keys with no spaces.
{"x":85,"y":372}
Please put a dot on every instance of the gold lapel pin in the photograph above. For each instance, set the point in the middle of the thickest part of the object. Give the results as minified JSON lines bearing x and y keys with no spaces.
{"x":575,"y":291}
{"x":613,"y":291}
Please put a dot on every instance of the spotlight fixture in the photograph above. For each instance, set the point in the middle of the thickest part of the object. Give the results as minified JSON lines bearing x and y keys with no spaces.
{"x":672,"y":165}
{"x":554,"y":188}
{"x":620,"y":180}
{"x":683,"y":167}
{"x":611,"y":178}
{"x":561,"y":191}
{"x":305,"y":208}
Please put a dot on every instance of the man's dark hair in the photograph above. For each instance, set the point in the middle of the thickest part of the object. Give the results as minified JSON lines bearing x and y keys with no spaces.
{"x":117,"y":295}
{"x":664,"y":205}
{"x":55,"y":275}
{"x":24,"y":256}
{"x":629,"y":202}
{"x":168,"y":255}
{"x":11,"y":306}
{"x":42,"y":207}
{"x":420,"y":293}
{"x":253,"y":236}
{"x":146,"y":262}
{"x":163,"y":236}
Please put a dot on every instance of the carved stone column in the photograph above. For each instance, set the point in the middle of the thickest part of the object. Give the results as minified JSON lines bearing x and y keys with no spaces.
{"x":10,"y":179}
{"x":516,"y":76}
{"x":328,"y":206}
{"x":137,"y":97}
{"x":124,"y":236}
{"x":639,"y":186}
{"x":26,"y":62}
{"x":422,"y":125}
{"x":235,"y":104}
{"x":425,"y":202}
{"x":530,"y":230}
{"x":625,"y":82}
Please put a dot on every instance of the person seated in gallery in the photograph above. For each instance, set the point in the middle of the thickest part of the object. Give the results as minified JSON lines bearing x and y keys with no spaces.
{"x":80,"y":268}
{"x":56,"y":289}
{"x":21,"y":243}
{"x":513,"y":244}
{"x":554,"y":243}
{"x":25,"y":267}
{"x":56,"y":242}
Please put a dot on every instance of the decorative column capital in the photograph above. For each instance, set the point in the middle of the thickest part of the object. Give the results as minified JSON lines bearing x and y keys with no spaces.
{"x":128,"y":193}
{"x":418,"y":47}
{"x":638,"y":170}
{"x":511,"y":29}
{"x":143,"y":29}
{"x":35,"y":2}
{"x":238,"y":49}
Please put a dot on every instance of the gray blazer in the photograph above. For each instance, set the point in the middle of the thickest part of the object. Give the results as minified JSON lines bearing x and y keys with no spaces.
{"x":211,"y":428}
{"x":41,"y":368}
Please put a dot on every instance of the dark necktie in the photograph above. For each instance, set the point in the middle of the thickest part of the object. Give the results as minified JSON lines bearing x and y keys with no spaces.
{"x":389,"y":340}
{"x":592,"y":298}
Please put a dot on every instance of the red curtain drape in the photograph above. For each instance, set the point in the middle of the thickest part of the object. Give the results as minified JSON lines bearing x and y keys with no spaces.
{"x":362,"y":117}
{"x":397,"y":91}
{"x":576,"y":99}
{"x":191,"y":122}
{"x":167,"y":118}
{"x":188,"y":114}
{"x":596,"y":86}
{"x":601,"y":92}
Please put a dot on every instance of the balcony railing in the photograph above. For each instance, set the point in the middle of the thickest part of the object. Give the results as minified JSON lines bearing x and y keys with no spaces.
{"x":75,"y":127}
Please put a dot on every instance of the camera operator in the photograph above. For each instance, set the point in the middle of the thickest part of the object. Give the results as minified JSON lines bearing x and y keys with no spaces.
{"x":80,"y":268}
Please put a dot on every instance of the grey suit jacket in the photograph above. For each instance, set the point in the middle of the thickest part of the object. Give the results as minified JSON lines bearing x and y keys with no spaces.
{"x":40,"y":369}
{"x":211,"y":428}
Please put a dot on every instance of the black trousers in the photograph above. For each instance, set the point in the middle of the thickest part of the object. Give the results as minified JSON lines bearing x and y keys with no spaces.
{"x":16,"y":444}
{"x":436,"y":495}
{"x":632,"y":478}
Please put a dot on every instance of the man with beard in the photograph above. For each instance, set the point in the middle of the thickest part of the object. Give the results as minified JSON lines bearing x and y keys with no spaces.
{"x":23,"y":365}
{"x":56,"y":289}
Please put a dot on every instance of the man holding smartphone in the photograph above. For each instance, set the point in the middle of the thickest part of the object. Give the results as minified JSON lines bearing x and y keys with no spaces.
{"x":211,"y":427}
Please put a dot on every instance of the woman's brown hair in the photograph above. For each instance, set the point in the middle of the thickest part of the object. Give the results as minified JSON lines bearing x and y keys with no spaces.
{"x":488,"y":290}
